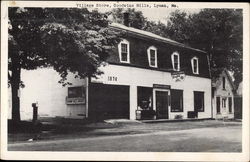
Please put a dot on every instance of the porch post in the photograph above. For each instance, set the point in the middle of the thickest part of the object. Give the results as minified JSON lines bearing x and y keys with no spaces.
{"x":132,"y":102}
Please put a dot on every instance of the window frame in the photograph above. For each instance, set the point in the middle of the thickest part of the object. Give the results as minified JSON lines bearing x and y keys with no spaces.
{"x":197,"y":66}
{"x":224,"y":83}
{"x":124,"y":41}
{"x":203,"y":103}
{"x":149,"y":56}
{"x":171,"y":97}
{"x":74,"y":87}
{"x":230,"y":105}
{"x":218,"y":105}
{"x":173,"y":63}
{"x":148,"y":95}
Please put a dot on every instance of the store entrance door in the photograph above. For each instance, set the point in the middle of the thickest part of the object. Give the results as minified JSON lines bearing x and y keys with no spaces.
{"x":161,"y":103}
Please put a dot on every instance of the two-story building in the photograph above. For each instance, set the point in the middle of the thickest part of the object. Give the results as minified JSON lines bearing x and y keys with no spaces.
{"x":146,"y":73}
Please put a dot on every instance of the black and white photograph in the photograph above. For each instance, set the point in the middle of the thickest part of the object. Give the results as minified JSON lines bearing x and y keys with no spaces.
{"x":136,"y":80}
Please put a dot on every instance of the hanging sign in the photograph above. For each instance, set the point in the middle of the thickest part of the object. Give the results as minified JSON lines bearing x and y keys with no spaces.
{"x":178,"y":76}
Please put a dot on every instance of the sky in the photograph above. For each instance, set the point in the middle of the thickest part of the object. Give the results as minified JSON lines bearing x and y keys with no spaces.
{"x":156,"y":14}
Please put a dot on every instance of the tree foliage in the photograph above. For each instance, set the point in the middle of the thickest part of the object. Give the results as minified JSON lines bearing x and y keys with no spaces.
{"x":67,"y":39}
{"x":217,"y":31}
{"x":136,"y":18}
{"x":74,"y":40}
{"x":78,"y":41}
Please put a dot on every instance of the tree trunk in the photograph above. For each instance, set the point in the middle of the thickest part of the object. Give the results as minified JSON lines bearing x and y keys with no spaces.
{"x":15,"y":81}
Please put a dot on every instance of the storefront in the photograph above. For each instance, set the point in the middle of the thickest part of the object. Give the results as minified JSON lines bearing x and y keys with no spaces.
{"x":157,"y":94}
{"x":146,"y":77}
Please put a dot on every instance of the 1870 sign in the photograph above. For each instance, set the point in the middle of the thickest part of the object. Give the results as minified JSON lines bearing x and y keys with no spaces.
{"x":178,"y":76}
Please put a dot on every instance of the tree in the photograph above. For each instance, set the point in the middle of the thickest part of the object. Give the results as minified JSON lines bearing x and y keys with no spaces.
{"x":136,"y":18}
{"x":217,"y":31}
{"x":179,"y":27}
{"x":138,"y":21}
{"x":156,"y":27}
{"x":69,"y":40}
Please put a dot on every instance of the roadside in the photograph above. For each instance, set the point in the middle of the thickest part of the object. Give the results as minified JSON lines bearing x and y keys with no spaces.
{"x":113,"y":128}
{"x":220,"y":139}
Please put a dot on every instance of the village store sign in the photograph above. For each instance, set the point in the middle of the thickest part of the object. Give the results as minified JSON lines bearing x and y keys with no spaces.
{"x":178,"y":76}
{"x":162,"y":86}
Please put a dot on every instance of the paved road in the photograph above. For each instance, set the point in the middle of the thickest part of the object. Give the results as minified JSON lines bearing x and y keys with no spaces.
{"x":222,"y":139}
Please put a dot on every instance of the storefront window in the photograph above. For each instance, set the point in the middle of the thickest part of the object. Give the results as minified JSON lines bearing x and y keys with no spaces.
{"x":199,"y":101}
{"x":75,"y":92}
{"x":176,"y":100}
{"x":145,"y":100}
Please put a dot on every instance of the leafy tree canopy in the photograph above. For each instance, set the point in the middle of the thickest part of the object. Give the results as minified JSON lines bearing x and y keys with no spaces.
{"x":67,"y":39}
{"x":217,"y":31}
{"x":136,"y":18}
{"x":74,"y":40}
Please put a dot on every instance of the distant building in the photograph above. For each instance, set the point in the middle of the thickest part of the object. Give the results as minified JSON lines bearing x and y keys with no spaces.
{"x":223,"y":94}
{"x":146,"y":77}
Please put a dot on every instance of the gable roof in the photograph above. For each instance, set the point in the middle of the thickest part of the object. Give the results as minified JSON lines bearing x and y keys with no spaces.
{"x":229,"y":76}
{"x":151,"y":35}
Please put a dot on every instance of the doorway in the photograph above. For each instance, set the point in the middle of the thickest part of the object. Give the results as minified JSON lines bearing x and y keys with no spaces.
{"x":161,"y":103}
{"x":108,"y":101}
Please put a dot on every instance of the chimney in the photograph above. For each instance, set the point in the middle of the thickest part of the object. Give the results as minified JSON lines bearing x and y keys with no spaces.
{"x":126,"y":21}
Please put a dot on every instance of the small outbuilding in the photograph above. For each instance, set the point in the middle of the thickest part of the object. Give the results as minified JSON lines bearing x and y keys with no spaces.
{"x":223,"y":92}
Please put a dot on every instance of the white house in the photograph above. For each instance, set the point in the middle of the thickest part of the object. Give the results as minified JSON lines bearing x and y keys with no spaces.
{"x":223,"y":96}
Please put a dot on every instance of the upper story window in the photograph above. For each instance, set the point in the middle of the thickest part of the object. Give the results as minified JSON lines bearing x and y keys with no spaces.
{"x":175,"y":61}
{"x":223,"y":83}
{"x":123,"y":48}
{"x":152,"y":56}
{"x":195,"y":65}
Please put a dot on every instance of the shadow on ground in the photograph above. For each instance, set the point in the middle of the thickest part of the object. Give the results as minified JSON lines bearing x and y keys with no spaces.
{"x":66,"y":129}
